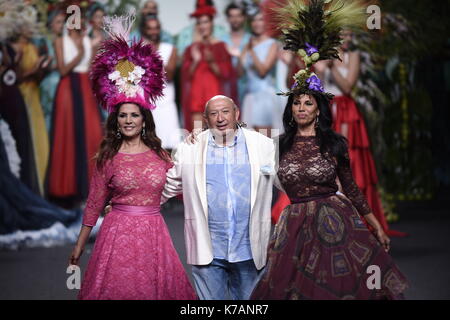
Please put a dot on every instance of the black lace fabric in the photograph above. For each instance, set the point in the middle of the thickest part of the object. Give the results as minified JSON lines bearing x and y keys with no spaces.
{"x":305,"y":172}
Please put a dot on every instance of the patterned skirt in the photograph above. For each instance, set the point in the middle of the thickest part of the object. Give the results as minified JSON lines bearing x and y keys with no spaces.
{"x":321,"y":249}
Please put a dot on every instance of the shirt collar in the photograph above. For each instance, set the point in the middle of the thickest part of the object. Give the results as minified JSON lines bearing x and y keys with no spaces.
{"x":237,"y":137}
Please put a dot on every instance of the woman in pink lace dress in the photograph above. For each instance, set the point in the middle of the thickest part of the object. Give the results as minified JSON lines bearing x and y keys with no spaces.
{"x":133,"y":256}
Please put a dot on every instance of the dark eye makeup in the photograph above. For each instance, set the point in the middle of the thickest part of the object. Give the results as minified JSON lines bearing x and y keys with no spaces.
{"x":135,"y":115}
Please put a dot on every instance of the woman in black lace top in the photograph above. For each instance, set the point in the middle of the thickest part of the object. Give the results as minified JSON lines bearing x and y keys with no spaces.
{"x":321,"y":248}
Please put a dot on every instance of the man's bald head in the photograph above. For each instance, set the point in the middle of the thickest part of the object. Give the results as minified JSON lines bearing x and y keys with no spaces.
{"x":219,"y":98}
{"x":221,"y":114}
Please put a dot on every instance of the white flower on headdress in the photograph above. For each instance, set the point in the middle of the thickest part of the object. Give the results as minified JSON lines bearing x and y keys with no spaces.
{"x":113,"y":76}
{"x":139,"y":70}
{"x":135,"y":76}
{"x":128,"y":85}
{"x":121,"y":82}
{"x":129,"y":89}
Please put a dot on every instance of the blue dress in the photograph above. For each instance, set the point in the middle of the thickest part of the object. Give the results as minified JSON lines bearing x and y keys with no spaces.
{"x":21,"y":209}
{"x":260,"y":105}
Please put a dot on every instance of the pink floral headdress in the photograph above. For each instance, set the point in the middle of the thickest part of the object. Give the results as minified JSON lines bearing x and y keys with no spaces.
{"x":123,"y":72}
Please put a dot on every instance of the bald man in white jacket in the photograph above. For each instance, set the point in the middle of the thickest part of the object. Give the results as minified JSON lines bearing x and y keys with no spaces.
{"x":217,"y":275}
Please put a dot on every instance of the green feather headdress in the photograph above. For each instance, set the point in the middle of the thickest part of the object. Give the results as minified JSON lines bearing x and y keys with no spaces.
{"x":312,"y":29}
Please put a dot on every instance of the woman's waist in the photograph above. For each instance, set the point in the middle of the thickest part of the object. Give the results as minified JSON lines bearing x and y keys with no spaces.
{"x":310,"y":197}
{"x":136,"y":210}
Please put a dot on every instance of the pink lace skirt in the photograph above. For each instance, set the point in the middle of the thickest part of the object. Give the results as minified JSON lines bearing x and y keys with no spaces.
{"x":134,"y":259}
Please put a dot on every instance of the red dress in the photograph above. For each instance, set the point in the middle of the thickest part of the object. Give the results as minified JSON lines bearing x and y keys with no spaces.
{"x":361,"y":160}
{"x":75,"y":137}
{"x":204,"y":84}
{"x":76,"y":131}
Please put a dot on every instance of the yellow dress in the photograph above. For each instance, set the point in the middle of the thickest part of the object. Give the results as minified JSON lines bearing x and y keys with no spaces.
{"x":30,"y":92}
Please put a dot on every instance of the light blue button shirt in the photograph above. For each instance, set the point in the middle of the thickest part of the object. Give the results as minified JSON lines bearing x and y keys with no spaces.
{"x":228,"y":183}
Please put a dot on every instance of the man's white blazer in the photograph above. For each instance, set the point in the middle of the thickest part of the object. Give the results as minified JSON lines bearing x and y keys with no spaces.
{"x":188,"y":175}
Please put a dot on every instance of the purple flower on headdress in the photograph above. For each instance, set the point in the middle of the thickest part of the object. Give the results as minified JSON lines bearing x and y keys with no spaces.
{"x":295,"y":85}
{"x":310,"y":50}
{"x":314,"y":83}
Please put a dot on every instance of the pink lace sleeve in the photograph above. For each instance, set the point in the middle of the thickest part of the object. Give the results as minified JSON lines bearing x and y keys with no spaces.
{"x":99,"y":193}
{"x":169,"y":165}
{"x":350,"y":188}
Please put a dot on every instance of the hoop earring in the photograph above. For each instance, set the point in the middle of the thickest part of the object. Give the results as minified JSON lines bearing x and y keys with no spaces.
{"x":143,"y":133}
{"x":118,"y":134}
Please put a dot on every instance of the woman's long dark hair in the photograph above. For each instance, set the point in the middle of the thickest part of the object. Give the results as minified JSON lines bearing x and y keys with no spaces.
{"x":111,"y":144}
{"x":330,"y":142}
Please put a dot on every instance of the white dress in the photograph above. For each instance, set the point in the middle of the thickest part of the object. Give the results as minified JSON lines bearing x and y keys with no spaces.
{"x":166,"y":114}
{"x":70,"y":52}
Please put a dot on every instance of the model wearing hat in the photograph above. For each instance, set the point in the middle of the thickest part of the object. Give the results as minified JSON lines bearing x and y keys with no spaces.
{"x":133,"y":256}
{"x":321,"y":248}
{"x":207,"y":68}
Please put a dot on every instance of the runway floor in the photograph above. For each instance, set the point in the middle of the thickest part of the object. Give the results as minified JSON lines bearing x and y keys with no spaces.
{"x":424,"y":257}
